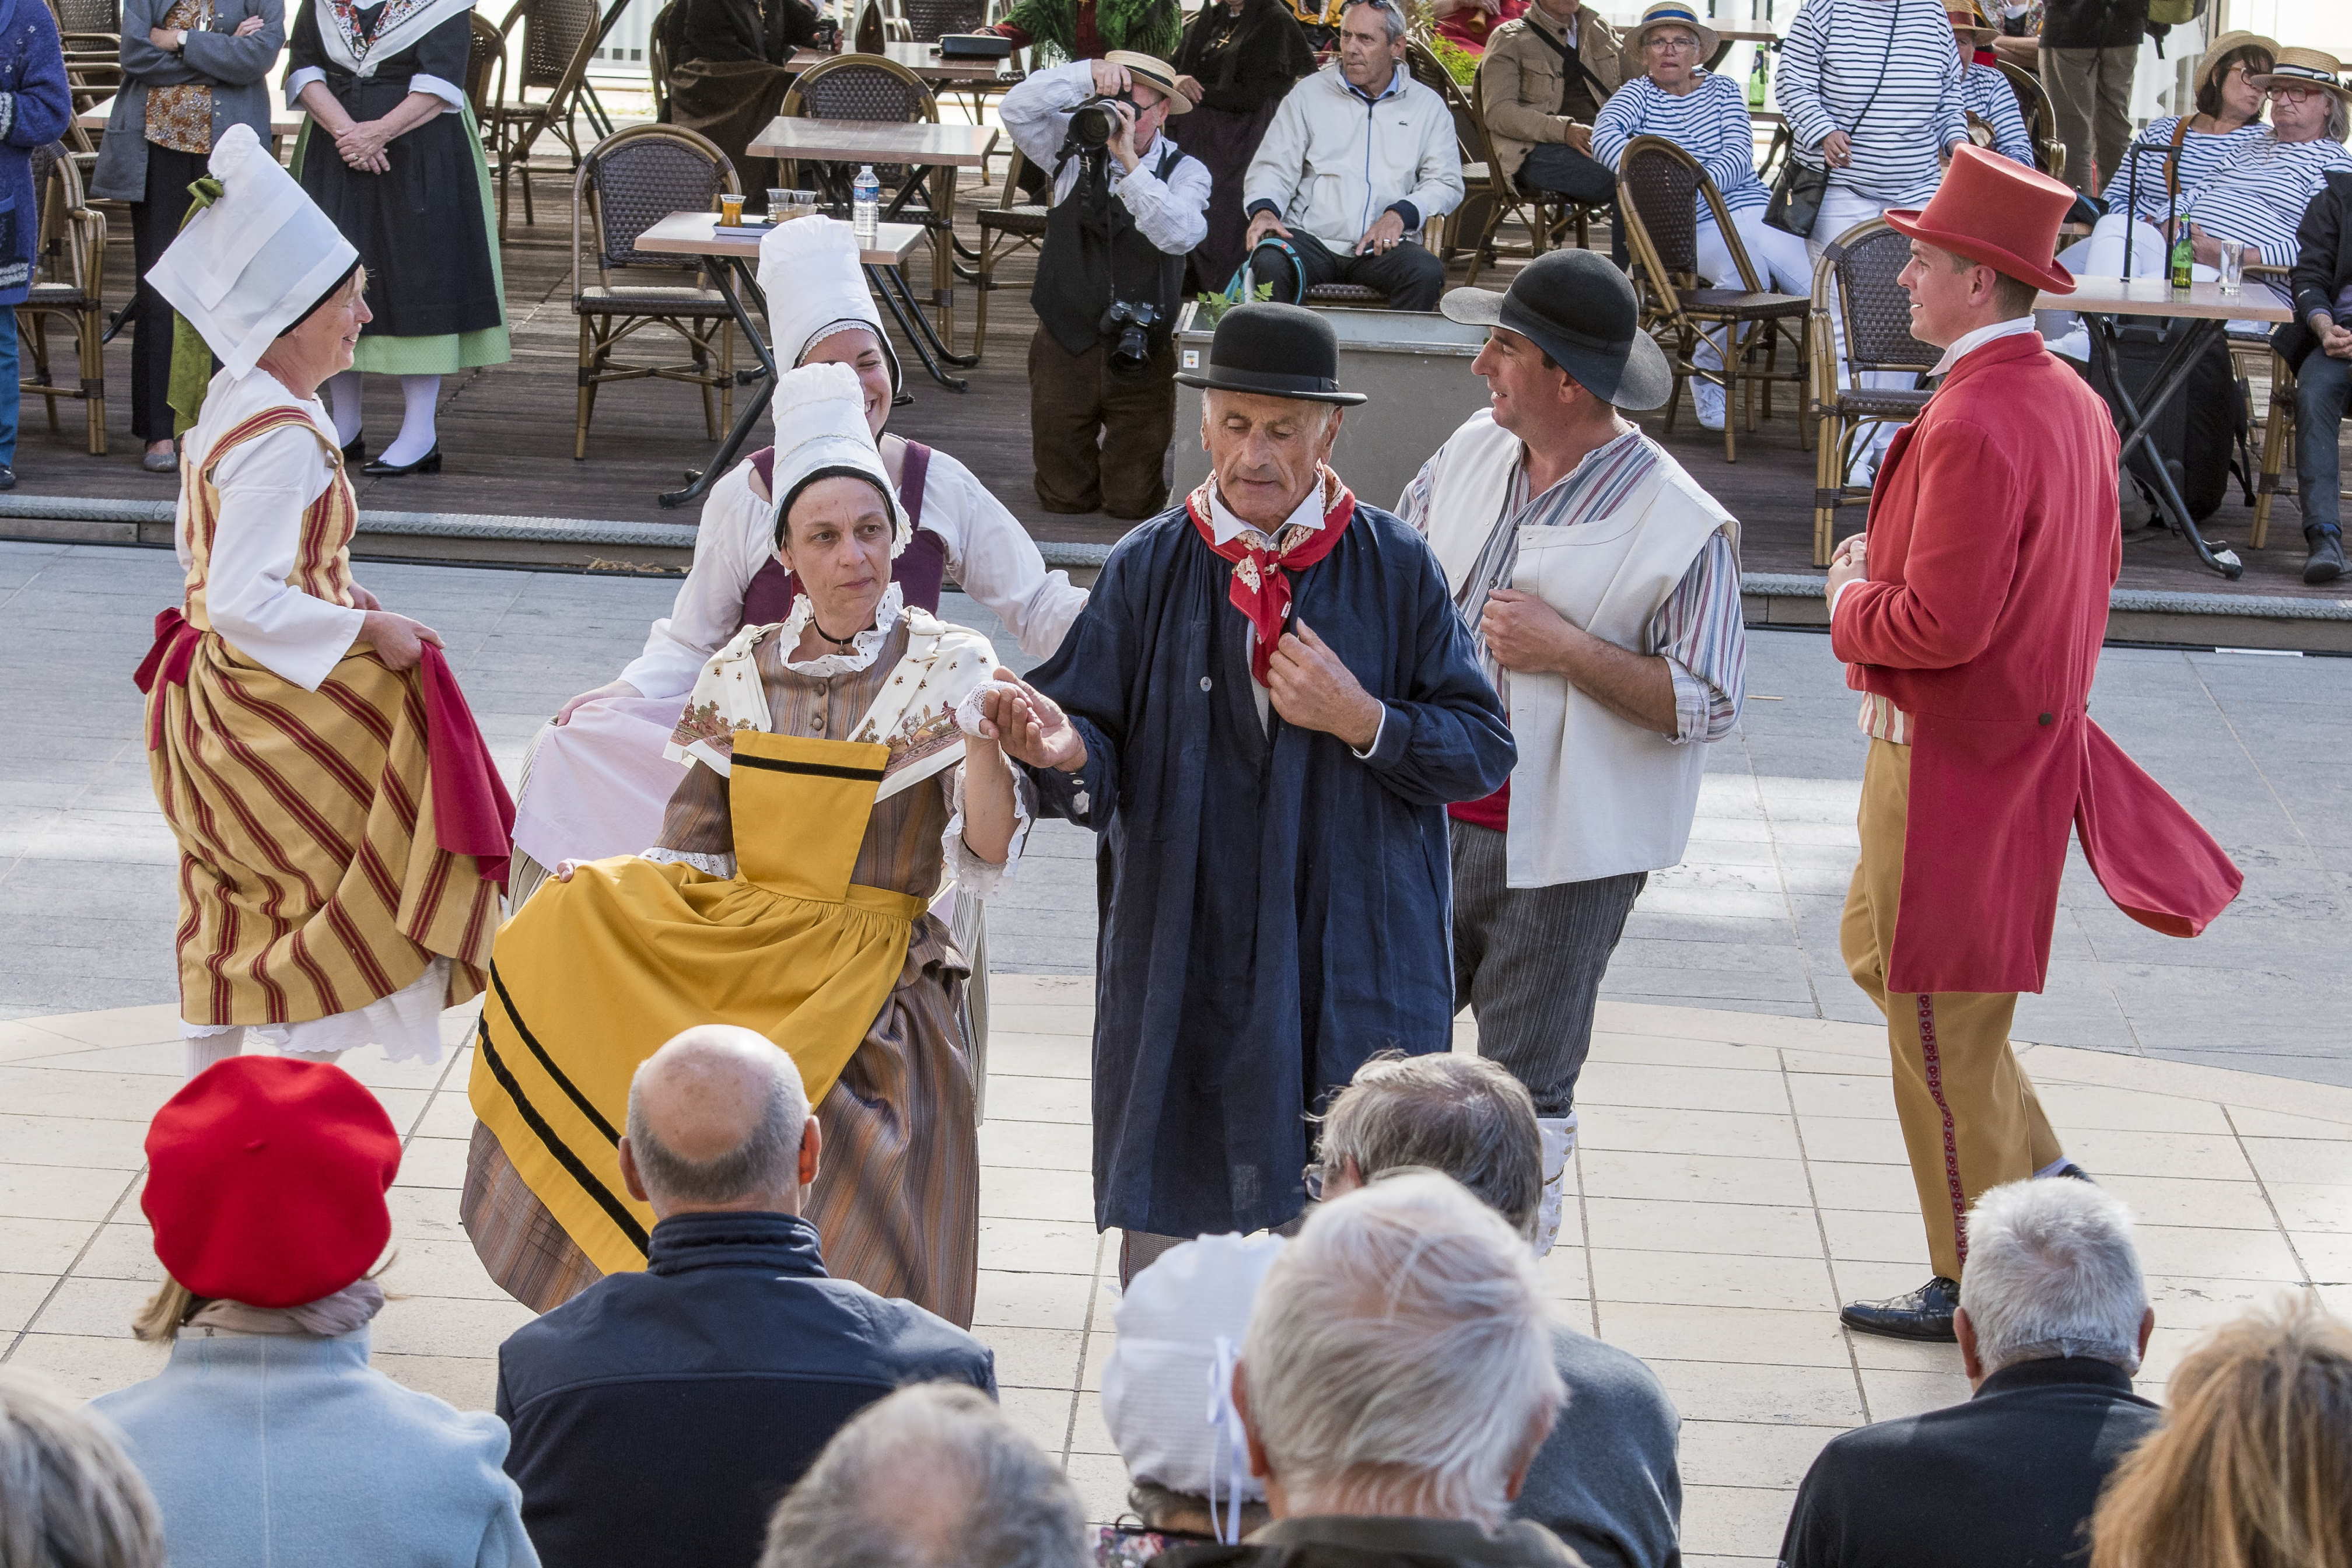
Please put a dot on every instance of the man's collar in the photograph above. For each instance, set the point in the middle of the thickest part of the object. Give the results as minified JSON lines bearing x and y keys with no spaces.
{"x":1517,"y":1544}
{"x":2045,"y":1371}
{"x":1967,"y":343}
{"x":1397,"y":79}
{"x":1226,"y":527}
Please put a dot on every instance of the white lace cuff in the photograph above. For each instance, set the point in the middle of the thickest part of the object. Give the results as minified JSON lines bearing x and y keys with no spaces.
{"x":712,"y":865}
{"x":973,"y":877}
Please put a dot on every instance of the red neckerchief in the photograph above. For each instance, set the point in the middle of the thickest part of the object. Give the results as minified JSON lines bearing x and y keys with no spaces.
{"x":1261,"y":583}
{"x":1986,"y":58}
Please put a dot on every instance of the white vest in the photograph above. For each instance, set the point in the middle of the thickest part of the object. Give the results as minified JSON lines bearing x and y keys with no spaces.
{"x":1592,"y":795}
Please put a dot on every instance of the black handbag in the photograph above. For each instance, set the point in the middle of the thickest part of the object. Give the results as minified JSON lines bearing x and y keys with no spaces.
{"x":1796,"y":205}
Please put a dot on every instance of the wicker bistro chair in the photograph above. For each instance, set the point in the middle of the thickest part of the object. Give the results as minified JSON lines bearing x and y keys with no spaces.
{"x":558,"y":37}
{"x":1659,"y":186}
{"x":861,"y":87}
{"x":1013,"y":225}
{"x":657,"y":60}
{"x":88,"y":15}
{"x":627,"y":184}
{"x":2041,"y":120}
{"x":485,"y":68}
{"x":2278,"y":423}
{"x":67,"y":271}
{"x":1856,"y":277}
{"x":1549,"y":217}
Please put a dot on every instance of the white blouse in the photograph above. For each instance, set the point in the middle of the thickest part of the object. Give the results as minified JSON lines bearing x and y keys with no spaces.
{"x":265,"y":485}
{"x":989,"y":555}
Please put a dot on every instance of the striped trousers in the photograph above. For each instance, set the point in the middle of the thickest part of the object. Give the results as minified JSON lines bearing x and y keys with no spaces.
{"x":1970,"y":1118}
{"x":1528,"y":962}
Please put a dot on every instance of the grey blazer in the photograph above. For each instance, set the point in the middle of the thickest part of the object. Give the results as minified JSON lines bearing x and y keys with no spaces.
{"x":232,"y":67}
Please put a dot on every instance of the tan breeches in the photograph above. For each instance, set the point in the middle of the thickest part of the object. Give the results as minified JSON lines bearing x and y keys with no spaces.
{"x":1970,"y":1118}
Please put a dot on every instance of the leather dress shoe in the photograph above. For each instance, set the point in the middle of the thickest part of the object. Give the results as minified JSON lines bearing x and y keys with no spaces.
{"x":2325,"y":562}
{"x":7,"y":477}
{"x":428,"y":464}
{"x":1923,"y":1314}
{"x":355,"y":451}
{"x":167,"y":462}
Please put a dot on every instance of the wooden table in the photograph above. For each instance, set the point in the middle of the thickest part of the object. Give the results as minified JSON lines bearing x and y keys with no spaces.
{"x":1725,"y":37}
{"x":926,"y":61}
{"x":736,"y":253}
{"x":940,"y":151}
{"x":2202,"y":314}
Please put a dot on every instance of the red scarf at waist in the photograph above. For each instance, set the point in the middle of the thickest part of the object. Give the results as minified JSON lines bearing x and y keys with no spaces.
{"x":472,"y":813}
{"x":1262,"y":577}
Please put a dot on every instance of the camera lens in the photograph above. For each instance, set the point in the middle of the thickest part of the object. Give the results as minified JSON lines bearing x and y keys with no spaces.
{"x":1091,"y":124}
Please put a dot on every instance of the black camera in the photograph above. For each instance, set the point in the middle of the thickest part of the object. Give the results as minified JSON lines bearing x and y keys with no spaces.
{"x":1094,"y":122}
{"x":1128,"y":326}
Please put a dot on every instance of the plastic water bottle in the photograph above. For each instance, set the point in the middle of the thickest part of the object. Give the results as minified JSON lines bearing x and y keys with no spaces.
{"x":866,"y":207}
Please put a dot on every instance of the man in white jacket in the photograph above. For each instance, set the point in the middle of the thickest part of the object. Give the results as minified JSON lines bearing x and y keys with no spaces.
{"x":1602,"y":587}
{"x":1358,"y":158}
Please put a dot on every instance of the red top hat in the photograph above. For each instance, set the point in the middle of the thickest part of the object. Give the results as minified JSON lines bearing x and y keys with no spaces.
{"x":265,"y":1180}
{"x":1997,"y":212}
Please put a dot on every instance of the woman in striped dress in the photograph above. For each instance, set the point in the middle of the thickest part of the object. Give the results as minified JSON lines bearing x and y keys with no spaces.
{"x":1986,"y":97}
{"x":1668,"y":94}
{"x":2175,"y":153}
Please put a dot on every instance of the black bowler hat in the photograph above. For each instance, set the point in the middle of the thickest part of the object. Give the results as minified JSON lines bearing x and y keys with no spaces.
{"x":1576,"y":307}
{"x":1274,"y":351}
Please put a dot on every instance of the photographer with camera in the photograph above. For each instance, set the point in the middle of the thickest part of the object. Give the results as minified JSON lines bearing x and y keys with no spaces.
{"x":1128,"y":206}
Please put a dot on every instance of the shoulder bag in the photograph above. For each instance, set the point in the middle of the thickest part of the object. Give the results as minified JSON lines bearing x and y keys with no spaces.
{"x":1796,"y":205}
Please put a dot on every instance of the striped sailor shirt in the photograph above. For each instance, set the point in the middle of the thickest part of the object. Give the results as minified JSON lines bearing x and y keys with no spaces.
{"x":2259,"y":197}
{"x":1986,"y":93}
{"x":2140,"y":182}
{"x":1898,"y":97}
{"x":1698,"y":630}
{"x":1709,"y":122}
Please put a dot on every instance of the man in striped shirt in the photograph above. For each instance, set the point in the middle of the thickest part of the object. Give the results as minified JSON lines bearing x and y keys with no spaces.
{"x":1603,"y":586}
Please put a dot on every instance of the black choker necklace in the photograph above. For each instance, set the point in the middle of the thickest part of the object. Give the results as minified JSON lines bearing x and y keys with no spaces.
{"x":846,"y":642}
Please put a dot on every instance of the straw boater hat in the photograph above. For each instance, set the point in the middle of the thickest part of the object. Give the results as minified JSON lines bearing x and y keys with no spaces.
{"x":266,"y":1178}
{"x":257,"y":260}
{"x":2305,"y":67}
{"x":2001,"y":213}
{"x":1668,"y":14}
{"x":814,"y":288}
{"x":2228,"y":43}
{"x":1967,"y":16}
{"x":819,"y":412}
{"x":1154,"y":73}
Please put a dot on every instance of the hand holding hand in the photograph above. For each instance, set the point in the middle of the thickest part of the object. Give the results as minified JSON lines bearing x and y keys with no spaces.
{"x":1846,"y":565}
{"x":397,"y":640}
{"x":1030,"y":727}
{"x":1522,"y":632}
{"x":610,"y":688}
{"x":1313,"y":689}
{"x":2337,"y":342}
{"x":1262,"y":224}
{"x":1190,"y":86}
{"x":165,"y":39}
{"x":1384,"y":236}
{"x":1837,"y":148}
{"x":1579,"y":137}
{"x":362,"y":145}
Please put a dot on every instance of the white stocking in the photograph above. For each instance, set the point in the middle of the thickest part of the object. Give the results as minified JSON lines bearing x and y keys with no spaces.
{"x":418,"y":394}
{"x":343,"y":403}
{"x":204,"y":1050}
{"x":1559,"y":1136}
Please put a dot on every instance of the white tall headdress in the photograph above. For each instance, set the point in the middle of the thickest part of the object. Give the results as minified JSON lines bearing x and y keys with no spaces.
{"x":255,"y":261}
{"x":820,"y":417}
{"x":810,"y":273}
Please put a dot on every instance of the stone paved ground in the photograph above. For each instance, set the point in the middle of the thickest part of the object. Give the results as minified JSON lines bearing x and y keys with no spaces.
{"x":1740,"y":1176}
{"x":2255,"y":745}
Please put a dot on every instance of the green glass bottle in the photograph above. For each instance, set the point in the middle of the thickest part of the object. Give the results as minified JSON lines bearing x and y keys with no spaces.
{"x":1760,"y":77}
{"x":2181,"y":257}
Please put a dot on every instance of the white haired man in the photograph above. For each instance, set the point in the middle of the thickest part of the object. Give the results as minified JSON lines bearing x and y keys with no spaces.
{"x":1607,"y":1481}
{"x":2052,"y":1322}
{"x":656,"y":1415}
{"x":933,"y":1477}
{"x":1394,"y":1385}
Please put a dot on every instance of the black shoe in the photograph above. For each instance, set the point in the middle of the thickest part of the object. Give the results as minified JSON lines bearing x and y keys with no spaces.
{"x":1923,"y":1314}
{"x":8,"y":477}
{"x":355,"y":451}
{"x":428,"y":464}
{"x":2327,"y":561}
{"x":2072,"y":1169}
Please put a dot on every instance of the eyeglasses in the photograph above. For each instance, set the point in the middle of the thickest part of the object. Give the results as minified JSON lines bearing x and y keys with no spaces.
{"x":1674,"y":42}
{"x":1313,"y":1177}
{"x":2293,"y":94}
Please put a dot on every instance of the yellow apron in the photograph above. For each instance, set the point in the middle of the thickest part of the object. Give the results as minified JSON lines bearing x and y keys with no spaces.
{"x":593,"y":975}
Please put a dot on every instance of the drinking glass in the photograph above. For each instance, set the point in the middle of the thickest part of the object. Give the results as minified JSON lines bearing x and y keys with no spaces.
{"x":2233,"y":267}
{"x":731,"y":210}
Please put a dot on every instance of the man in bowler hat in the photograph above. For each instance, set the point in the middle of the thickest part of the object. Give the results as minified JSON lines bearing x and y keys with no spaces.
{"x":1265,"y":710}
{"x":1969,"y":615}
{"x":1602,"y":587}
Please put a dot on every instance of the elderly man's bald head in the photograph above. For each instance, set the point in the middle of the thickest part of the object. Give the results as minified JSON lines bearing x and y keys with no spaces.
{"x":717,"y":1119}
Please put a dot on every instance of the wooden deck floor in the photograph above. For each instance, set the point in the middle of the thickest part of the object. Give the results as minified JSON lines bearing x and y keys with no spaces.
{"x":507,"y":436}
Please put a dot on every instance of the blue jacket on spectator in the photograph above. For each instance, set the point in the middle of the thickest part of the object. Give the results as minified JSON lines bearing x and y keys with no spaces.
{"x":34,"y":110}
{"x":659,"y":1417}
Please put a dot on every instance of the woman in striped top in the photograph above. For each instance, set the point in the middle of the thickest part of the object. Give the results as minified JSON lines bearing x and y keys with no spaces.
{"x":1706,"y":115}
{"x":2173,"y":155}
{"x":1872,"y":88}
{"x":1985,"y":93}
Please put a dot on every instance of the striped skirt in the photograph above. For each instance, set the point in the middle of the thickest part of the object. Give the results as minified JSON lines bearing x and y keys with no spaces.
{"x":311,"y":880}
{"x":897,"y":1198}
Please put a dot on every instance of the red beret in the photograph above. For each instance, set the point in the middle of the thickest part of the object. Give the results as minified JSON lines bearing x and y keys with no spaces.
{"x":266,"y":1180}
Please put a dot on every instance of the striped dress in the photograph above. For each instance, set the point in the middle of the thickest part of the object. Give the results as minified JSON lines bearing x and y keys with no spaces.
{"x":1710,"y":122}
{"x":311,"y":883}
{"x":1986,"y":93}
{"x":1899,"y":99}
{"x":2259,"y":197}
{"x":2141,"y":180}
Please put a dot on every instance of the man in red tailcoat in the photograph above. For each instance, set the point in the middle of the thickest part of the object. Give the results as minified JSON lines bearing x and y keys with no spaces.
{"x":1970,"y":613}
